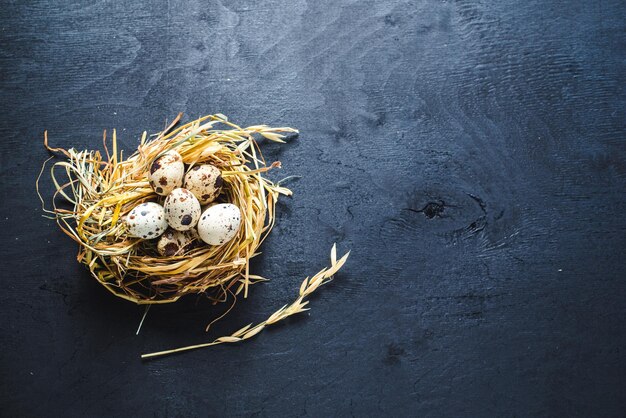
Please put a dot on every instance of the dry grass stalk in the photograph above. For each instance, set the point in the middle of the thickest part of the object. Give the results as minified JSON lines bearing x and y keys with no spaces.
{"x":308,"y":286}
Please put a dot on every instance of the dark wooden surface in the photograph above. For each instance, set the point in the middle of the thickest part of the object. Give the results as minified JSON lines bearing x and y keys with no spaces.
{"x":471,"y":154}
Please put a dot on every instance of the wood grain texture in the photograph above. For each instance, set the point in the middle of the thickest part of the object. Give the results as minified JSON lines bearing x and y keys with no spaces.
{"x":471,"y":154}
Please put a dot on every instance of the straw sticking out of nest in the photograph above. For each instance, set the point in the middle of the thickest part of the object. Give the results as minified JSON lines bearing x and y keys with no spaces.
{"x":101,"y":192}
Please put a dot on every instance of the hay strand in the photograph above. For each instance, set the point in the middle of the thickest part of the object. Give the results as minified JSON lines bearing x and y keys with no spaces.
{"x":308,"y":287}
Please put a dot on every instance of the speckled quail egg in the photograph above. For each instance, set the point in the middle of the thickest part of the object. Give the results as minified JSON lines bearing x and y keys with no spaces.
{"x":146,"y":220}
{"x":205,"y":182}
{"x":182,"y":209}
{"x":166,"y":173}
{"x":174,"y":242}
{"x":219,"y":223}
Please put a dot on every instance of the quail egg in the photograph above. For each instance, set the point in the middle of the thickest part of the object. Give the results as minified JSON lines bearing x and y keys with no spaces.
{"x":219,"y":223}
{"x":166,"y":173}
{"x":182,"y":209}
{"x":174,"y":242}
{"x":205,"y":182}
{"x":146,"y":220}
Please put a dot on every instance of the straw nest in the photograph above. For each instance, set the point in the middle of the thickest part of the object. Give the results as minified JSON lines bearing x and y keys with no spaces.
{"x":102,"y":191}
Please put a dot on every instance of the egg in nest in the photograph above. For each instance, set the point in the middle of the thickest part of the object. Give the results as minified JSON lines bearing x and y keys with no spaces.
{"x":182,"y":209}
{"x":174,"y":242}
{"x":146,"y":220}
{"x":166,"y":173}
{"x":219,"y":223}
{"x":205,"y":182}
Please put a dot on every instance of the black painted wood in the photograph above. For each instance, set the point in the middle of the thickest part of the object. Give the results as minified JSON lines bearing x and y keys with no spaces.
{"x":471,"y":154}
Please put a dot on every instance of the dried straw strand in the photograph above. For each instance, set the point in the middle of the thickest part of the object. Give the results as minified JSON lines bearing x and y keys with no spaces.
{"x":308,"y":287}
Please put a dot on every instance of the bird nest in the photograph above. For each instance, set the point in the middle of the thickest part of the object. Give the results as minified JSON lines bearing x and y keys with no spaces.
{"x":102,"y":191}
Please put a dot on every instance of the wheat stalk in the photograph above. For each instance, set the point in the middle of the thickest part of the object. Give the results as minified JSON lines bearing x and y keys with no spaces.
{"x":308,"y":286}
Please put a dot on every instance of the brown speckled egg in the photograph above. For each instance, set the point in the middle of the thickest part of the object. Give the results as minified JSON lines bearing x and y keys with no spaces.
{"x":205,"y":182}
{"x":166,"y":173}
{"x":219,"y":223}
{"x":174,"y":242}
{"x":182,"y":209}
{"x":146,"y":220}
